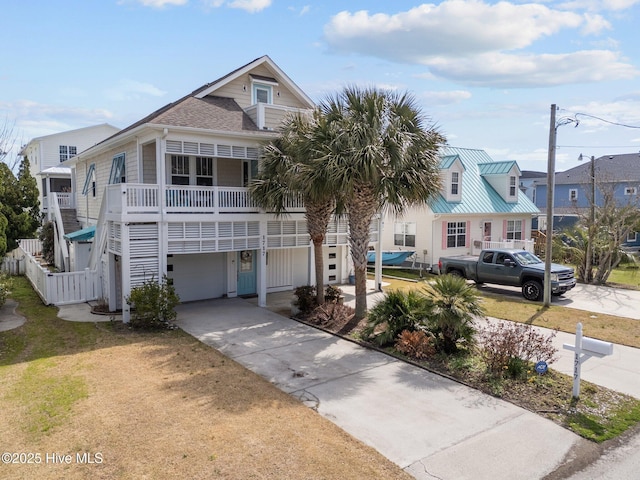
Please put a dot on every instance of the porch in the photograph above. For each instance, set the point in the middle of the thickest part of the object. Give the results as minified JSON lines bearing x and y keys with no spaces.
{"x":130,"y":198}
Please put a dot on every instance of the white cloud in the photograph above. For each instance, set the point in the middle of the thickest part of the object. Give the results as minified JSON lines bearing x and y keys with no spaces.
{"x":444,"y":98}
{"x":251,"y":6}
{"x":453,"y":28}
{"x":476,"y":43}
{"x":598,"y":5}
{"x":132,"y":89}
{"x":161,"y":3}
{"x":531,"y":70}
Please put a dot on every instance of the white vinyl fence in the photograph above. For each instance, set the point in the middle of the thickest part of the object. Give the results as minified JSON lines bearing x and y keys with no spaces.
{"x":59,"y":288}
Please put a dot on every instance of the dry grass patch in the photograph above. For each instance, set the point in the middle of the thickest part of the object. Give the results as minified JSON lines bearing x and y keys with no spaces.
{"x":160,"y":405}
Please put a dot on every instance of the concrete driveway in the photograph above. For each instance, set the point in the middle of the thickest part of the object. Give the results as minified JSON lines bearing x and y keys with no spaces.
{"x":430,"y":426}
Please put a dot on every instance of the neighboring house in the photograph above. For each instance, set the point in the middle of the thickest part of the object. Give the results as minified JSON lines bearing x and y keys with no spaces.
{"x":168,"y":196}
{"x":479,"y":205}
{"x":527,"y":183}
{"x":572,"y":195}
{"x":47,"y":153}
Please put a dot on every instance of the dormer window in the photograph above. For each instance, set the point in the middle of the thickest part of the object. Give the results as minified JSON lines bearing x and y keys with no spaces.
{"x":512,"y":186}
{"x":455,"y":183}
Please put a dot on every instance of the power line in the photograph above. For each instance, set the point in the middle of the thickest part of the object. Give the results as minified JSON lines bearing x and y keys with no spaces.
{"x":610,"y":122}
{"x":635,"y":147}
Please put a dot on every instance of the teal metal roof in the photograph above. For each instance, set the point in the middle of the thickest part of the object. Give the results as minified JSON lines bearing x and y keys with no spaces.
{"x":497,"y":168}
{"x":81,"y":235}
{"x":478,"y":196}
{"x":447,"y":160}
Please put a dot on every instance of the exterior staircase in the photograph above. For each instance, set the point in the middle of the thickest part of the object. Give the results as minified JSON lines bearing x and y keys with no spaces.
{"x":70,"y":221}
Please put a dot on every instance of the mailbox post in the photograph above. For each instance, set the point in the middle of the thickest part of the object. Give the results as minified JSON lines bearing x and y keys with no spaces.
{"x":584,"y":349}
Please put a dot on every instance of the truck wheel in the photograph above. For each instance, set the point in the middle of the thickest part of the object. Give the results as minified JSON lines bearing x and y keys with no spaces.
{"x":456,"y":273}
{"x":532,"y":290}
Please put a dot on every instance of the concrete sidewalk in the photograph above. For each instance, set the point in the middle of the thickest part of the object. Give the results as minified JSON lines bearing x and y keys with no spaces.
{"x":430,"y":426}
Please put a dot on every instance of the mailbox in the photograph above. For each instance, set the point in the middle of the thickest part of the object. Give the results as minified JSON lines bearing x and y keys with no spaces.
{"x":591,"y":346}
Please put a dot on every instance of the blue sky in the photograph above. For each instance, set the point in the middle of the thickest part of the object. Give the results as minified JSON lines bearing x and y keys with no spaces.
{"x":486,"y":73}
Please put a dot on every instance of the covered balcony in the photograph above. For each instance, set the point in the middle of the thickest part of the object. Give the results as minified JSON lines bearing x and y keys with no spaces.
{"x":133,"y":199}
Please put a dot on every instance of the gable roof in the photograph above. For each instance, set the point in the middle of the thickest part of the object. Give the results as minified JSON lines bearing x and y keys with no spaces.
{"x":447,"y":161}
{"x":622,"y":168}
{"x":478,"y":196}
{"x":201,"y":110}
{"x":267,"y":62}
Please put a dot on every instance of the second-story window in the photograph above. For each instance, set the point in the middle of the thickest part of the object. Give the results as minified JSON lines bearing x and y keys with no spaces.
{"x":204,"y":171}
{"x":512,"y":186}
{"x":67,"y":151}
{"x":573,"y":195}
{"x":179,"y":170}
{"x":118,"y":170}
{"x":455,"y":183}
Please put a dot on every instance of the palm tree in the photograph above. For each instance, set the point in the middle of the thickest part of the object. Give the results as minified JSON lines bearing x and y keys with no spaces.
{"x":379,"y":155}
{"x":453,"y":306}
{"x":287,"y":174}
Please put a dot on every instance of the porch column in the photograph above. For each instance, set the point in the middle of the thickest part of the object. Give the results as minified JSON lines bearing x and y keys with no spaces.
{"x":312,"y":265}
{"x":378,"y":264}
{"x":262,"y":267}
{"x":125,"y":271}
{"x":47,"y":195}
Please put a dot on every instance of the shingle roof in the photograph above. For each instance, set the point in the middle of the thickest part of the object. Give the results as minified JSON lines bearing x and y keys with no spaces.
{"x":478,"y":196}
{"x":608,"y":169}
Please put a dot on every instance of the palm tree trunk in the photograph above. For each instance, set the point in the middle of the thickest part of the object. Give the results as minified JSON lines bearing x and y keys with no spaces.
{"x":318,"y":262}
{"x":362,"y":207}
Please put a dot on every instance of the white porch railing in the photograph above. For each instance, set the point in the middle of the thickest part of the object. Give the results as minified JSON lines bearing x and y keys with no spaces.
{"x":478,"y":245}
{"x":128,"y":198}
{"x":61,"y":288}
{"x":64,"y":200}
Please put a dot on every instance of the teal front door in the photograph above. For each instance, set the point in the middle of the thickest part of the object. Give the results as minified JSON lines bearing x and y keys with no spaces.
{"x":246,"y":272}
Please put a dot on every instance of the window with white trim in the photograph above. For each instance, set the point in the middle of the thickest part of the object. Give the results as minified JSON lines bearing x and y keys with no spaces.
{"x":456,"y":234}
{"x":67,"y":151}
{"x":179,"y":170}
{"x":118,"y":171}
{"x":630,"y":191}
{"x":573,"y":194}
{"x":632,"y":237}
{"x":204,"y":171}
{"x":262,"y":93}
{"x":90,"y":181}
{"x":514,"y":230}
{"x":455,"y":183}
{"x":512,"y":186}
{"x":404,"y":234}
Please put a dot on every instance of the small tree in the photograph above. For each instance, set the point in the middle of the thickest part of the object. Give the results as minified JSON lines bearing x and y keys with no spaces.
{"x":153,"y":305}
{"x":48,"y":243}
{"x":453,"y":305}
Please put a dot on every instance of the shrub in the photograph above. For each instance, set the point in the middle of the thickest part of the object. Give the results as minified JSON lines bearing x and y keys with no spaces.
{"x":330,"y":315}
{"x":397,"y":311}
{"x":416,"y":344}
{"x":332,"y":294}
{"x":305,"y":298}
{"x":453,"y":304}
{"x":48,"y":243}
{"x":508,"y":347}
{"x":153,"y":305}
{"x":5,"y":287}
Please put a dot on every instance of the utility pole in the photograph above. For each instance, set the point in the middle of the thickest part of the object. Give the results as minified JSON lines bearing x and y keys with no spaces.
{"x":551,"y":175}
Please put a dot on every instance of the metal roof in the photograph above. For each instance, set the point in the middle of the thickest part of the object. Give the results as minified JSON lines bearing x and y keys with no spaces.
{"x":478,"y":196}
{"x":497,"y":168}
{"x":81,"y":235}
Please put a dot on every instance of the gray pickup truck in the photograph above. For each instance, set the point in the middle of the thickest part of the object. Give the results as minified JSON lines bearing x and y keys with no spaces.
{"x":510,"y":267}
